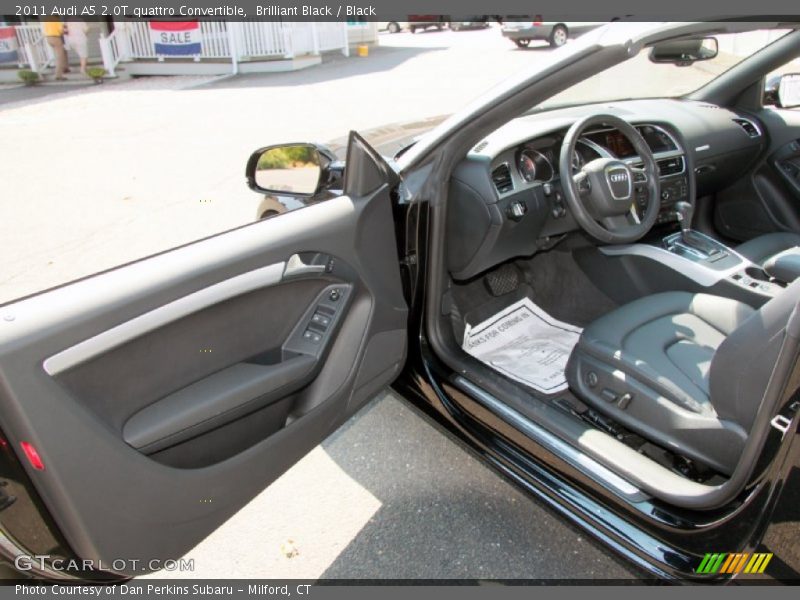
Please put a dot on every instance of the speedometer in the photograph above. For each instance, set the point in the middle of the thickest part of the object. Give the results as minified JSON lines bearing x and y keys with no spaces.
{"x":534,"y":166}
{"x":527,"y":166}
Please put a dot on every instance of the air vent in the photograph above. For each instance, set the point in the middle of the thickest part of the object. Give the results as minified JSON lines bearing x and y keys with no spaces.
{"x":501,"y":177}
{"x":480,"y":146}
{"x":749,"y":127}
{"x":670,"y":166}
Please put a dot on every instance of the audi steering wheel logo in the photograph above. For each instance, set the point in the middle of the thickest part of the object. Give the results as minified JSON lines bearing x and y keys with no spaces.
{"x":618,"y":177}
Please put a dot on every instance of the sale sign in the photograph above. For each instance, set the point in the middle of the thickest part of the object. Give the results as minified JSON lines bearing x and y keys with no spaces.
{"x":176,"y":38}
{"x":8,"y":45}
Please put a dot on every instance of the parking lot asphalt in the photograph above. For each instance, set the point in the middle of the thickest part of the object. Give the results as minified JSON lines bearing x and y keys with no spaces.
{"x":390,"y":496}
{"x":26,"y":95}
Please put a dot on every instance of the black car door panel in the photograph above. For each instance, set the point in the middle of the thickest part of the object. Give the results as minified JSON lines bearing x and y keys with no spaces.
{"x":163,"y":395}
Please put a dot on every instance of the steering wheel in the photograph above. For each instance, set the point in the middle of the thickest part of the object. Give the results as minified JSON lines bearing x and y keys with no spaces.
{"x":601,"y":195}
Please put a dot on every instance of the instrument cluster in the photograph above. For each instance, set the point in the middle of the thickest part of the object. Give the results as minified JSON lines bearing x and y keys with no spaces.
{"x":539,"y":164}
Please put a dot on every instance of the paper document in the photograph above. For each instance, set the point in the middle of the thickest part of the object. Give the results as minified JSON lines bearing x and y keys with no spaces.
{"x":526,"y":344}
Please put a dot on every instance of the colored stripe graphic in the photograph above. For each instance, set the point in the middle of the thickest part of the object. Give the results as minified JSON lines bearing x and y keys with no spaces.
{"x":8,"y":45}
{"x":734,"y":562}
{"x":178,"y":38}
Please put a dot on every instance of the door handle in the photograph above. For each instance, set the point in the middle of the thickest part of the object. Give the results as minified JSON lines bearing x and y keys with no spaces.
{"x":295,"y":267}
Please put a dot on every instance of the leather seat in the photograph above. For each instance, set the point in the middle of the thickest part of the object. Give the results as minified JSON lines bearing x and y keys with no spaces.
{"x":686,"y":371}
{"x":777,"y":253}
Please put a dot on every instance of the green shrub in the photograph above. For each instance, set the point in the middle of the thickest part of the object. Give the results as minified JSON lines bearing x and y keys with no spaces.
{"x":96,"y":73}
{"x":28,"y":77}
{"x":286,"y":157}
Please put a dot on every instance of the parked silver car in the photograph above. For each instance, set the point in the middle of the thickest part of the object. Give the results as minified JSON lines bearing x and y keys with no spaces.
{"x":555,"y":32}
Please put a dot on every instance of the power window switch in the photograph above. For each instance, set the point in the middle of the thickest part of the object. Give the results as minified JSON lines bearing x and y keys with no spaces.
{"x":321,"y":320}
{"x":312,"y":336}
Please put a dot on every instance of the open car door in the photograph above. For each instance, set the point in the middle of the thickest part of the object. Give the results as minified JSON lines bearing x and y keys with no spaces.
{"x":149,"y":403}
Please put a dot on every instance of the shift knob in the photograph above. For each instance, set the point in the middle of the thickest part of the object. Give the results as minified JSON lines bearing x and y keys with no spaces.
{"x":684,"y":211}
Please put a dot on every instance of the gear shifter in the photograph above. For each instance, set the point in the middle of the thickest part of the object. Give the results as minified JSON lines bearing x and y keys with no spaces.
{"x":692,"y":239}
{"x":684,"y":211}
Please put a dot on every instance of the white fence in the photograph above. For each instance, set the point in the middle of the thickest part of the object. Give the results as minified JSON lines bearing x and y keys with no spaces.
{"x":262,"y":39}
{"x":32,"y":47}
{"x":112,"y":49}
{"x":220,"y":41}
{"x":232,"y":41}
{"x":331,"y":36}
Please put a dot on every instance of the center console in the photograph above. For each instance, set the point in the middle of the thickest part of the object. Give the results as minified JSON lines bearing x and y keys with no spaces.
{"x":722,"y":262}
{"x":689,"y":259}
{"x":674,"y":188}
{"x":713,"y":254}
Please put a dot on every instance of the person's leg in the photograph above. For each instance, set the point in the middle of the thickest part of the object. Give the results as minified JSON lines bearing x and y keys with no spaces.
{"x":64,"y":58}
{"x":57,"y":44}
{"x":83,"y":50}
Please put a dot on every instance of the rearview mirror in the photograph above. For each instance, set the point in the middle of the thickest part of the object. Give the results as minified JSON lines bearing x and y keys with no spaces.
{"x":684,"y":52}
{"x":289,"y":169}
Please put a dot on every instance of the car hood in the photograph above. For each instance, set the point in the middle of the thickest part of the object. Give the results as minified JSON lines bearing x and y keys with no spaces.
{"x":389,"y":139}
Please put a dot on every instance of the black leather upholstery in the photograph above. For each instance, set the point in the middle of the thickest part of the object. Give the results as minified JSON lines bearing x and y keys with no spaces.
{"x":685,"y":370}
{"x":762,"y":249}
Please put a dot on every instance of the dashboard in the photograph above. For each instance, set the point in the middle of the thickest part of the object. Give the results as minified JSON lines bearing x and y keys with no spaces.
{"x":537,"y":160}
{"x":506,"y":197}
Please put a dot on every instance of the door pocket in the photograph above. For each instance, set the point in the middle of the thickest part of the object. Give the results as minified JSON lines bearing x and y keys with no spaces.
{"x":215,"y":401}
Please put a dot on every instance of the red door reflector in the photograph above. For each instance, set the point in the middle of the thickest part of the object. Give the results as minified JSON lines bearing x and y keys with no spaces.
{"x":33,"y":456}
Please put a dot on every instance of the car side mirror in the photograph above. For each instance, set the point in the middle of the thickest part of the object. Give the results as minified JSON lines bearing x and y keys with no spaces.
{"x":684,"y":52}
{"x":787,"y":91}
{"x":287,"y":169}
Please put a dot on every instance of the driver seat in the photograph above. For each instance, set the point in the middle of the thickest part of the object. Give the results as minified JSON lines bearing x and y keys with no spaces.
{"x":686,"y":371}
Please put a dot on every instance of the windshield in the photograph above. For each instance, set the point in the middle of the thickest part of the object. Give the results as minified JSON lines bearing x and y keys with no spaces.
{"x":638,"y":77}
